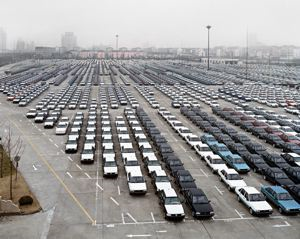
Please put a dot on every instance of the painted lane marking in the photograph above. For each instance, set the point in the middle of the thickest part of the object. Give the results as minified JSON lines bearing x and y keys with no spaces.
{"x":69,"y":175}
{"x":114,"y":200}
{"x":78,"y":166}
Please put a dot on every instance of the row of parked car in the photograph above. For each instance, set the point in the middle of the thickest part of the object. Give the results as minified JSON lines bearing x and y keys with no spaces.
{"x":194,"y":196}
{"x":220,"y":156}
{"x":148,"y":94}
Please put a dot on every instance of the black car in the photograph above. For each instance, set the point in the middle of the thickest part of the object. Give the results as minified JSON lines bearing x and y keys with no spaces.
{"x":292,"y":158}
{"x":290,"y":148}
{"x":204,"y":124}
{"x":293,"y":173}
{"x":184,"y":180}
{"x":294,"y":190}
{"x":158,"y":139}
{"x":277,"y":176}
{"x":174,"y":165}
{"x":196,"y":199}
{"x":255,"y":148}
{"x":275,"y":160}
{"x":258,"y":132}
{"x":241,"y":138}
{"x":274,"y":140}
{"x":238,"y":148}
{"x":230,"y":131}
{"x":164,"y":148}
{"x":256,"y":162}
{"x":247,"y":126}
{"x":223,"y":138}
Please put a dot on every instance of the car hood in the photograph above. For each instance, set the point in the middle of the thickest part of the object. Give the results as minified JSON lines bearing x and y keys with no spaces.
{"x":174,"y":209}
{"x":154,"y":168}
{"x":137,"y":186}
{"x":241,"y":166}
{"x":289,"y":204}
{"x":202,"y":208}
{"x":237,"y":183}
{"x":163,"y":185}
{"x":262,"y":205}
{"x":111,"y":169}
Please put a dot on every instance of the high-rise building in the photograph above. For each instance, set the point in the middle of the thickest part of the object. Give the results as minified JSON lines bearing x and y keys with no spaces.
{"x":68,"y":41}
{"x":2,"y":40}
{"x":20,"y":45}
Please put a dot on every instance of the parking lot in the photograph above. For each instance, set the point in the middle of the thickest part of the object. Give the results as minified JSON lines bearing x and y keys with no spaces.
{"x":79,"y":202}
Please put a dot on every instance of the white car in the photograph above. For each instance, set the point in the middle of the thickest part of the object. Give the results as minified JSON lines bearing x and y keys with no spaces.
{"x":89,"y":144}
{"x":254,"y":200}
{"x":152,"y":165}
{"x":184,"y":131}
{"x":31,"y":113}
{"x":87,"y":156}
{"x":176,"y":125}
{"x":171,"y":204}
{"x":136,"y":182}
{"x":192,"y":140}
{"x":203,"y":150}
{"x":160,"y":180}
{"x":128,"y":154}
{"x":61,"y":128}
{"x":215,"y":162}
{"x":71,"y":146}
{"x":231,"y":178}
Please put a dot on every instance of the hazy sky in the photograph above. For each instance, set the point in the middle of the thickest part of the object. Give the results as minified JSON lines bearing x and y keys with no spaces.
{"x":161,"y":23}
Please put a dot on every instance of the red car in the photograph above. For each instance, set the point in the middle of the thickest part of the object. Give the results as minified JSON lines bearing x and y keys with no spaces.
{"x":273,"y":130}
{"x":290,"y":139}
{"x":260,"y":124}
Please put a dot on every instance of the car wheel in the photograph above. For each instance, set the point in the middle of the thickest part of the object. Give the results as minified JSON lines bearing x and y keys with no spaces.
{"x":220,"y":179}
{"x":280,"y":210}
{"x":254,"y":170}
{"x":193,"y":214}
{"x":229,"y":188}
{"x":265,"y":177}
{"x":251,"y":211}
{"x":238,"y":198}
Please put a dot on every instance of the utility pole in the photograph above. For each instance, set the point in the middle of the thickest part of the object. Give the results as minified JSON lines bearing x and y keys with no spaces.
{"x":247,"y":56}
{"x":117,"y":38}
{"x":208,"y":28}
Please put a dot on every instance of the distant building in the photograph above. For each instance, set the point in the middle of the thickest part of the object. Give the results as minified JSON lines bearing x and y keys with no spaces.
{"x":20,"y":46}
{"x":223,"y":61}
{"x":43,"y":51}
{"x":68,"y":41}
{"x":2,"y":40}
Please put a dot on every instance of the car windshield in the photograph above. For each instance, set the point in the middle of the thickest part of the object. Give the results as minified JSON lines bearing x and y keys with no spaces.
{"x":153,"y":163}
{"x":291,"y":137}
{"x":172,"y":200}
{"x":194,"y":139}
{"x":110,"y":164}
{"x":127,"y":150}
{"x":132,"y":163}
{"x":137,"y":179}
{"x":200,"y":199}
{"x":278,"y":159}
{"x":162,"y":179}
{"x":237,"y":160}
{"x":256,"y":197}
{"x":234,"y":177}
{"x":297,"y":159}
{"x":217,"y":161}
{"x":107,"y":141}
{"x":147,"y":150}
{"x":108,"y":151}
{"x":280,"y":175}
{"x":186,"y":178}
{"x":284,"y":196}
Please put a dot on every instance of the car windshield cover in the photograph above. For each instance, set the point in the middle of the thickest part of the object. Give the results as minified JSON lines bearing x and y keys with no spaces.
{"x":256,"y":197}
{"x":186,"y":178}
{"x":280,"y":175}
{"x":234,"y":177}
{"x":200,"y":199}
{"x":137,"y":179}
{"x":162,"y":179}
{"x":284,"y":196}
{"x":172,"y":201}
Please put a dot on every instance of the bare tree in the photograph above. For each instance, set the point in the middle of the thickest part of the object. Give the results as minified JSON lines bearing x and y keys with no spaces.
{"x":14,"y":147}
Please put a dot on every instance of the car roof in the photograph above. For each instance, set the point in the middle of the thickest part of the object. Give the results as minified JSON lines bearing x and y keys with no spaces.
{"x":170,"y":192}
{"x":294,"y":154}
{"x":230,"y":171}
{"x":196,"y":191}
{"x":250,"y":190}
{"x":277,"y":189}
{"x":160,"y":173}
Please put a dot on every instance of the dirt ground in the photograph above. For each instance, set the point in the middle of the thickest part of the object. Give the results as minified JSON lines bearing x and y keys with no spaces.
{"x":19,"y":188}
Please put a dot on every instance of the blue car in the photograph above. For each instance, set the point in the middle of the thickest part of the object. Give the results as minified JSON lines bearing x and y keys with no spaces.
{"x":281,"y":198}
{"x":221,"y":150}
{"x":208,"y":139}
{"x":235,"y":161}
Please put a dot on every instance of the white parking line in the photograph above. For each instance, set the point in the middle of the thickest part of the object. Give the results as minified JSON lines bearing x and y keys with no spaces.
{"x":99,"y":186}
{"x":286,"y":224}
{"x":138,"y":235}
{"x":220,"y":191}
{"x":152,"y":216}
{"x":238,"y":213}
{"x":34,"y":168}
{"x":114,"y":200}
{"x":44,"y":133}
{"x":123,"y":220}
{"x":162,"y":231}
{"x":69,"y":175}
{"x":39,"y":129}
{"x":88,"y":175}
{"x":203,"y":172}
{"x":78,"y":166}
{"x":182,"y":148}
{"x":192,"y":158}
{"x":50,"y":140}
{"x":119,"y":191}
{"x":56,"y":145}
{"x":70,"y":158}
{"x":62,"y":151}
{"x":132,"y":218}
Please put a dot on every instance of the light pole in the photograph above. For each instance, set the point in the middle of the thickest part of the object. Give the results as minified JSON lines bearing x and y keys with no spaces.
{"x":208,"y":28}
{"x":117,"y":38}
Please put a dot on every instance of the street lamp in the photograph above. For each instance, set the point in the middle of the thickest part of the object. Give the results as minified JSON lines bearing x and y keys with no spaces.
{"x":208,"y":28}
{"x":117,"y":38}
